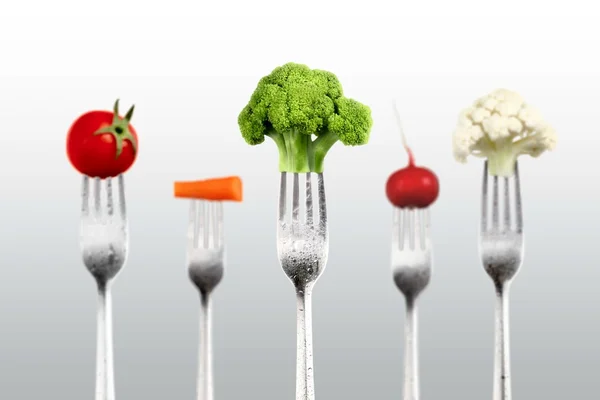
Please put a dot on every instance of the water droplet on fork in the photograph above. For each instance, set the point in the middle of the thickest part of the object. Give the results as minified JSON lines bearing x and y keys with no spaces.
{"x":298,"y":245}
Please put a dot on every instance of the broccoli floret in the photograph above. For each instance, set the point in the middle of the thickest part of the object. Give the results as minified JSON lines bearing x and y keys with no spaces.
{"x":501,"y":127}
{"x":292,"y":104}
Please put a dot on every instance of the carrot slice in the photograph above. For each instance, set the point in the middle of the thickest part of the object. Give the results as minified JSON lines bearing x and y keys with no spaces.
{"x":227,"y":188}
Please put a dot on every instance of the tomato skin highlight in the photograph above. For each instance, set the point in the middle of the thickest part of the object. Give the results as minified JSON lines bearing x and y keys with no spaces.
{"x":412,"y":187}
{"x":95,"y":155}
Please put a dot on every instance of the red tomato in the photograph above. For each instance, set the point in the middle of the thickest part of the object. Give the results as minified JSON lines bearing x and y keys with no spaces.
{"x":412,"y":187}
{"x":102,"y":144}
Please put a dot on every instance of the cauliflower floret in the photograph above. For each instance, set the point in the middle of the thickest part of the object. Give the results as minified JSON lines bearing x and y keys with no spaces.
{"x":487,"y":102}
{"x":508,"y":108}
{"x":531,"y":117}
{"x":479,"y":114}
{"x":501,"y":127}
{"x":464,"y":119}
{"x":515,"y":126}
{"x":465,"y":137}
{"x":507,"y":96}
{"x":496,"y":127}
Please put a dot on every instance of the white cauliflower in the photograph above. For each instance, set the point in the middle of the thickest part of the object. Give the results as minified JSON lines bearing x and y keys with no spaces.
{"x":501,"y":127}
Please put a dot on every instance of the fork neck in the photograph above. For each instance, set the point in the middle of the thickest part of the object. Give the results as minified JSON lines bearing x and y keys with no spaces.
{"x":501,"y":287}
{"x":304,"y":290}
{"x":103,"y":286}
{"x":410,"y":302}
{"x":205,"y":297}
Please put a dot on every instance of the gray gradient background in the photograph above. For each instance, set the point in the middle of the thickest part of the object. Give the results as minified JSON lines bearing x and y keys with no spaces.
{"x":189,"y":76}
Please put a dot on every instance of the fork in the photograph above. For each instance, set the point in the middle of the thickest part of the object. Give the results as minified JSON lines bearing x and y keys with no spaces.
{"x":302,"y":248}
{"x":411,"y":270}
{"x":501,"y":249}
{"x":104,"y":245}
{"x":205,"y":259}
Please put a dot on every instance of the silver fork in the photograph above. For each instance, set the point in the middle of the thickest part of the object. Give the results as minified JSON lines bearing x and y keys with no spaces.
{"x":411,"y":270}
{"x":104,"y":245}
{"x":302,"y":247}
{"x":501,"y":249}
{"x":206,"y":259}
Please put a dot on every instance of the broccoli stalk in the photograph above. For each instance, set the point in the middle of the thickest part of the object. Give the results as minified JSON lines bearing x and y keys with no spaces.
{"x":294,"y":103}
{"x":320,"y":147}
{"x":294,"y":150}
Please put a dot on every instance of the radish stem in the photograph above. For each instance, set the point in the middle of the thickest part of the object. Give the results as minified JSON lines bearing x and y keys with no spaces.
{"x":411,"y":158}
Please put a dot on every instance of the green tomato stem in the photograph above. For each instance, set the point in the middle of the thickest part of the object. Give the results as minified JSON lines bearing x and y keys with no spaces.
{"x":119,"y":129}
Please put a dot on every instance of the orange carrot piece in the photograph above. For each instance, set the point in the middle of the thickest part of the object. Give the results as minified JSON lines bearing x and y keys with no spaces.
{"x":227,"y":188}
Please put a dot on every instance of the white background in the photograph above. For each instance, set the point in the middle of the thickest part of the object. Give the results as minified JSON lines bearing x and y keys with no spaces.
{"x":190,"y":67}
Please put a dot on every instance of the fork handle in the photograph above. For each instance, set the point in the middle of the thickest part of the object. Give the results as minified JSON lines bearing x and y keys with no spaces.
{"x":502,"y":378}
{"x":205,"y":389}
{"x":411,"y":352}
{"x":105,"y":387}
{"x":304,"y":354}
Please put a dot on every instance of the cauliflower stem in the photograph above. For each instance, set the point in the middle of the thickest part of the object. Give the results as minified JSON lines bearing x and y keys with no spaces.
{"x":502,"y":155}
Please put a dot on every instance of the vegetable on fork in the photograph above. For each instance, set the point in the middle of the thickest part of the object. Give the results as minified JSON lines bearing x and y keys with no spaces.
{"x":411,"y":186}
{"x":411,"y":190}
{"x":102,"y":143}
{"x":290,"y":105}
{"x":227,"y":188}
{"x":102,"y":146}
{"x":206,"y":256}
{"x":501,"y":127}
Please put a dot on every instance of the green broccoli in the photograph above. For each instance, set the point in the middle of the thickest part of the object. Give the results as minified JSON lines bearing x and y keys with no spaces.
{"x":295,"y":102}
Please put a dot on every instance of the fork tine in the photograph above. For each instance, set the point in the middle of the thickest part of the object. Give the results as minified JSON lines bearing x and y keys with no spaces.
{"x":191,"y":235}
{"x":518,"y":205}
{"x":109,"y":197}
{"x":411,"y":230}
{"x":417,"y":229}
{"x":282,"y":196}
{"x":421,"y":229}
{"x":295,"y":198}
{"x":506,"y":204}
{"x":402,"y":221}
{"x":218,"y":224}
{"x":322,"y":205}
{"x":199,"y":224}
{"x":203,"y":224}
{"x":396,"y":227}
{"x":495,"y":203}
{"x":97,"y":193}
{"x":427,"y":222}
{"x":122,"y":204}
{"x":85,"y":196}
{"x":426,"y":228}
{"x":484,"y":197}
{"x":309,"y":202}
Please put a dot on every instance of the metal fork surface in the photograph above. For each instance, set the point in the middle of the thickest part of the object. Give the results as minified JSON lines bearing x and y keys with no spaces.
{"x":501,"y":247}
{"x":302,"y":248}
{"x":206,"y":260}
{"x":411,"y":270}
{"x":104,"y":245}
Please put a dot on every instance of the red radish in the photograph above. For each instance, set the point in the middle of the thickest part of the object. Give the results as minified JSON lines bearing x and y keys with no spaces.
{"x":412,"y":186}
